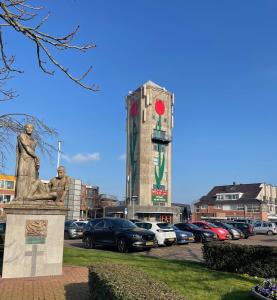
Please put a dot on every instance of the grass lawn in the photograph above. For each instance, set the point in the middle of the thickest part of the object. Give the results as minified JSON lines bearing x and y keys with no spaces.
{"x":191,"y":279}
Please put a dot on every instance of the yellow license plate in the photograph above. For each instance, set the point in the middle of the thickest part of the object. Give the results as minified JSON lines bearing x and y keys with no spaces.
{"x":190,"y":238}
{"x":149,"y":243}
{"x":170,"y":239}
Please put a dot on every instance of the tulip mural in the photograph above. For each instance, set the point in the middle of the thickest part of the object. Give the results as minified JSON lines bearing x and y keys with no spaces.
{"x":159,"y":170}
{"x":133,"y":143}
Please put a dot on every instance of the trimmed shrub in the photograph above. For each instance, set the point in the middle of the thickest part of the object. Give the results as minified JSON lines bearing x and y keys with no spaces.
{"x":123,"y":282}
{"x":258,"y":260}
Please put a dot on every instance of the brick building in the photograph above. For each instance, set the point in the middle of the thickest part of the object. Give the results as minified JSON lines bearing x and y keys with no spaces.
{"x":89,"y":201}
{"x":255,"y":201}
{"x":7,"y":190}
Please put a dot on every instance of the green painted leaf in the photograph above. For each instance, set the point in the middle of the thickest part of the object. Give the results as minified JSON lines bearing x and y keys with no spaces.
{"x":161,"y":169}
{"x":158,"y":183}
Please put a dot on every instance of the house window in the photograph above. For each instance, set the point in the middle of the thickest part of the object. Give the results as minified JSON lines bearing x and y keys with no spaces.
{"x":9,"y":184}
{"x":234,"y":207}
{"x":204,"y":206}
{"x":2,"y":184}
{"x":5,"y":198}
{"x":218,"y":206}
{"x":253,"y":208}
{"x":228,"y":196}
{"x":240,"y":207}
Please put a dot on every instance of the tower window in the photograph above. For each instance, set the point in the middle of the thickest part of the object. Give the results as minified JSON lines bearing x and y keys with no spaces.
{"x":156,"y":148}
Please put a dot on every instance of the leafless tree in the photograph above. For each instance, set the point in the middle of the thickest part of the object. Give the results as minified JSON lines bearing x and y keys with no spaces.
{"x":20,"y":16}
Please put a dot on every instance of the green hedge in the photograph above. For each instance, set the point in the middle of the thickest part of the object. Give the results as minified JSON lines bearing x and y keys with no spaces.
{"x":258,"y":260}
{"x":123,"y":282}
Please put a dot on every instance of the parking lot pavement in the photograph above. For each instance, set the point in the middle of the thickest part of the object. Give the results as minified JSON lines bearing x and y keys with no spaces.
{"x":192,"y":251}
{"x":259,"y":239}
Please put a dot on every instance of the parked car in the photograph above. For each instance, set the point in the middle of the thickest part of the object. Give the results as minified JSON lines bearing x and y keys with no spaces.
{"x":235,"y":233}
{"x":164,"y":234}
{"x":72,"y":230}
{"x":119,"y":233}
{"x":134,"y":220}
{"x":268,"y":228}
{"x":201,"y":235}
{"x":246,"y":228}
{"x":2,"y":235}
{"x":183,"y":237}
{"x":82,"y":225}
{"x":222,"y":234}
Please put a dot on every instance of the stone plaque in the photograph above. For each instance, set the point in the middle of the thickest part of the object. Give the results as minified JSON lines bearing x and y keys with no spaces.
{"x":36,"y":231}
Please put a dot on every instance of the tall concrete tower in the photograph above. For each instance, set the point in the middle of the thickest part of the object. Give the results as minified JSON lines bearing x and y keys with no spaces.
{"x":149,"y":136}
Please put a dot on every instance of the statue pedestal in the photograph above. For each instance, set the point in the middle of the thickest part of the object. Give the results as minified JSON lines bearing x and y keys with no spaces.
{"x":34,"y":240}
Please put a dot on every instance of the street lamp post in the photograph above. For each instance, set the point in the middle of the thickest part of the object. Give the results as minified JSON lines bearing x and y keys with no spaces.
{"x":134,"y":198}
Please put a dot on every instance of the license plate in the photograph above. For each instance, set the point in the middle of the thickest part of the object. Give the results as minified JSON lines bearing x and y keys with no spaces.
{"x":190,"y":238}
{"x":149,"y":243}
{"x":170,"y":239}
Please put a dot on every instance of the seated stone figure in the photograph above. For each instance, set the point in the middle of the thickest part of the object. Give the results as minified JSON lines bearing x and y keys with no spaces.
{"x":55,"y":190}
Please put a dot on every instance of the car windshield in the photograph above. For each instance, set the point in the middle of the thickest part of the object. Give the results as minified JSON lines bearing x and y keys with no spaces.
{"x":193,"y":226}
{"x":124,"y":224}
{"x":212,"y":225}
{"x":241,"y":225}
{"x":226,"y":225}
{"x":81,"y":224}
{"x":164,"y":225}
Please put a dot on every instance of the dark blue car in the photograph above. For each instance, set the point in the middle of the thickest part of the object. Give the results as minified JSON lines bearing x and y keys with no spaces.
{"x":183,"y":237}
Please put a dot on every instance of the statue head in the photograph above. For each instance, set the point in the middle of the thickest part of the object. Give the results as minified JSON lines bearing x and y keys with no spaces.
{"x":29,"y":128}
{"x":61,"y":171}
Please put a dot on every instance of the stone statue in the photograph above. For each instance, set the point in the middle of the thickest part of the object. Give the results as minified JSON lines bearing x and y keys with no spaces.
{"x":27,"y":163}
{"x":55,"y":190}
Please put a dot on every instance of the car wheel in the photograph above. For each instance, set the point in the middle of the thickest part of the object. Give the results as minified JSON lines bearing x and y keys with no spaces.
{"x":269,"y":232}
{"x":122,"y":246}
{"x":156,"y":244}
{"x":87,"y":242}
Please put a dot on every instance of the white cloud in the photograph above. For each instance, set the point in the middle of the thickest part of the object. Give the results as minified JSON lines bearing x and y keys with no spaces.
{"x":122,"y":157}
{"x":81,"y":158}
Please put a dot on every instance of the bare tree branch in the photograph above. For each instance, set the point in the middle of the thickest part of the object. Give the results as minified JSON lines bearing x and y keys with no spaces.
{"x":26,"y":19}
{"x":13,"y":124}
{"x":15,"y":14}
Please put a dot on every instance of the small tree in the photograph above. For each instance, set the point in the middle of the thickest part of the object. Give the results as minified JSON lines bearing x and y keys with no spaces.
{"x":21,"y":15}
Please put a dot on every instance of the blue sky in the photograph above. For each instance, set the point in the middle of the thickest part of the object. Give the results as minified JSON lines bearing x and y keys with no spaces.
{"x":218,"y":57}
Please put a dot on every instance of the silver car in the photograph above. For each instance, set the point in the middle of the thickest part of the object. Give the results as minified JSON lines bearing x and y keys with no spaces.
{"x":265,"y":227}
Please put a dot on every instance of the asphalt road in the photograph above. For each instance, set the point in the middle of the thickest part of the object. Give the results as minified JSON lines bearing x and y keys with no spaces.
{"x":191,"y":251}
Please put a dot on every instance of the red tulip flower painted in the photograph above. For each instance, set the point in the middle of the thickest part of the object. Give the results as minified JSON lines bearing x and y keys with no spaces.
{"x":159,"y":106}
{"x":134,"y":109}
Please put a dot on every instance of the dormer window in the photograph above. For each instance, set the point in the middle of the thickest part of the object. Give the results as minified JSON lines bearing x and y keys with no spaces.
{"x":228,"y":196}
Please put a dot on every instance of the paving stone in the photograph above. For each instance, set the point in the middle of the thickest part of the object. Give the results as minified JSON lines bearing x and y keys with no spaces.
{"x":73,"y":284}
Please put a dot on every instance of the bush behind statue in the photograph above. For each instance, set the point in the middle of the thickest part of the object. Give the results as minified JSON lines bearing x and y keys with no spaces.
{"x":255,"y":260}
{"x":123,"y":282}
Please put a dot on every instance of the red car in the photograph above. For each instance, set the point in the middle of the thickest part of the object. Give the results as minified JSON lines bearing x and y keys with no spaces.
{"x":222,"y":233}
